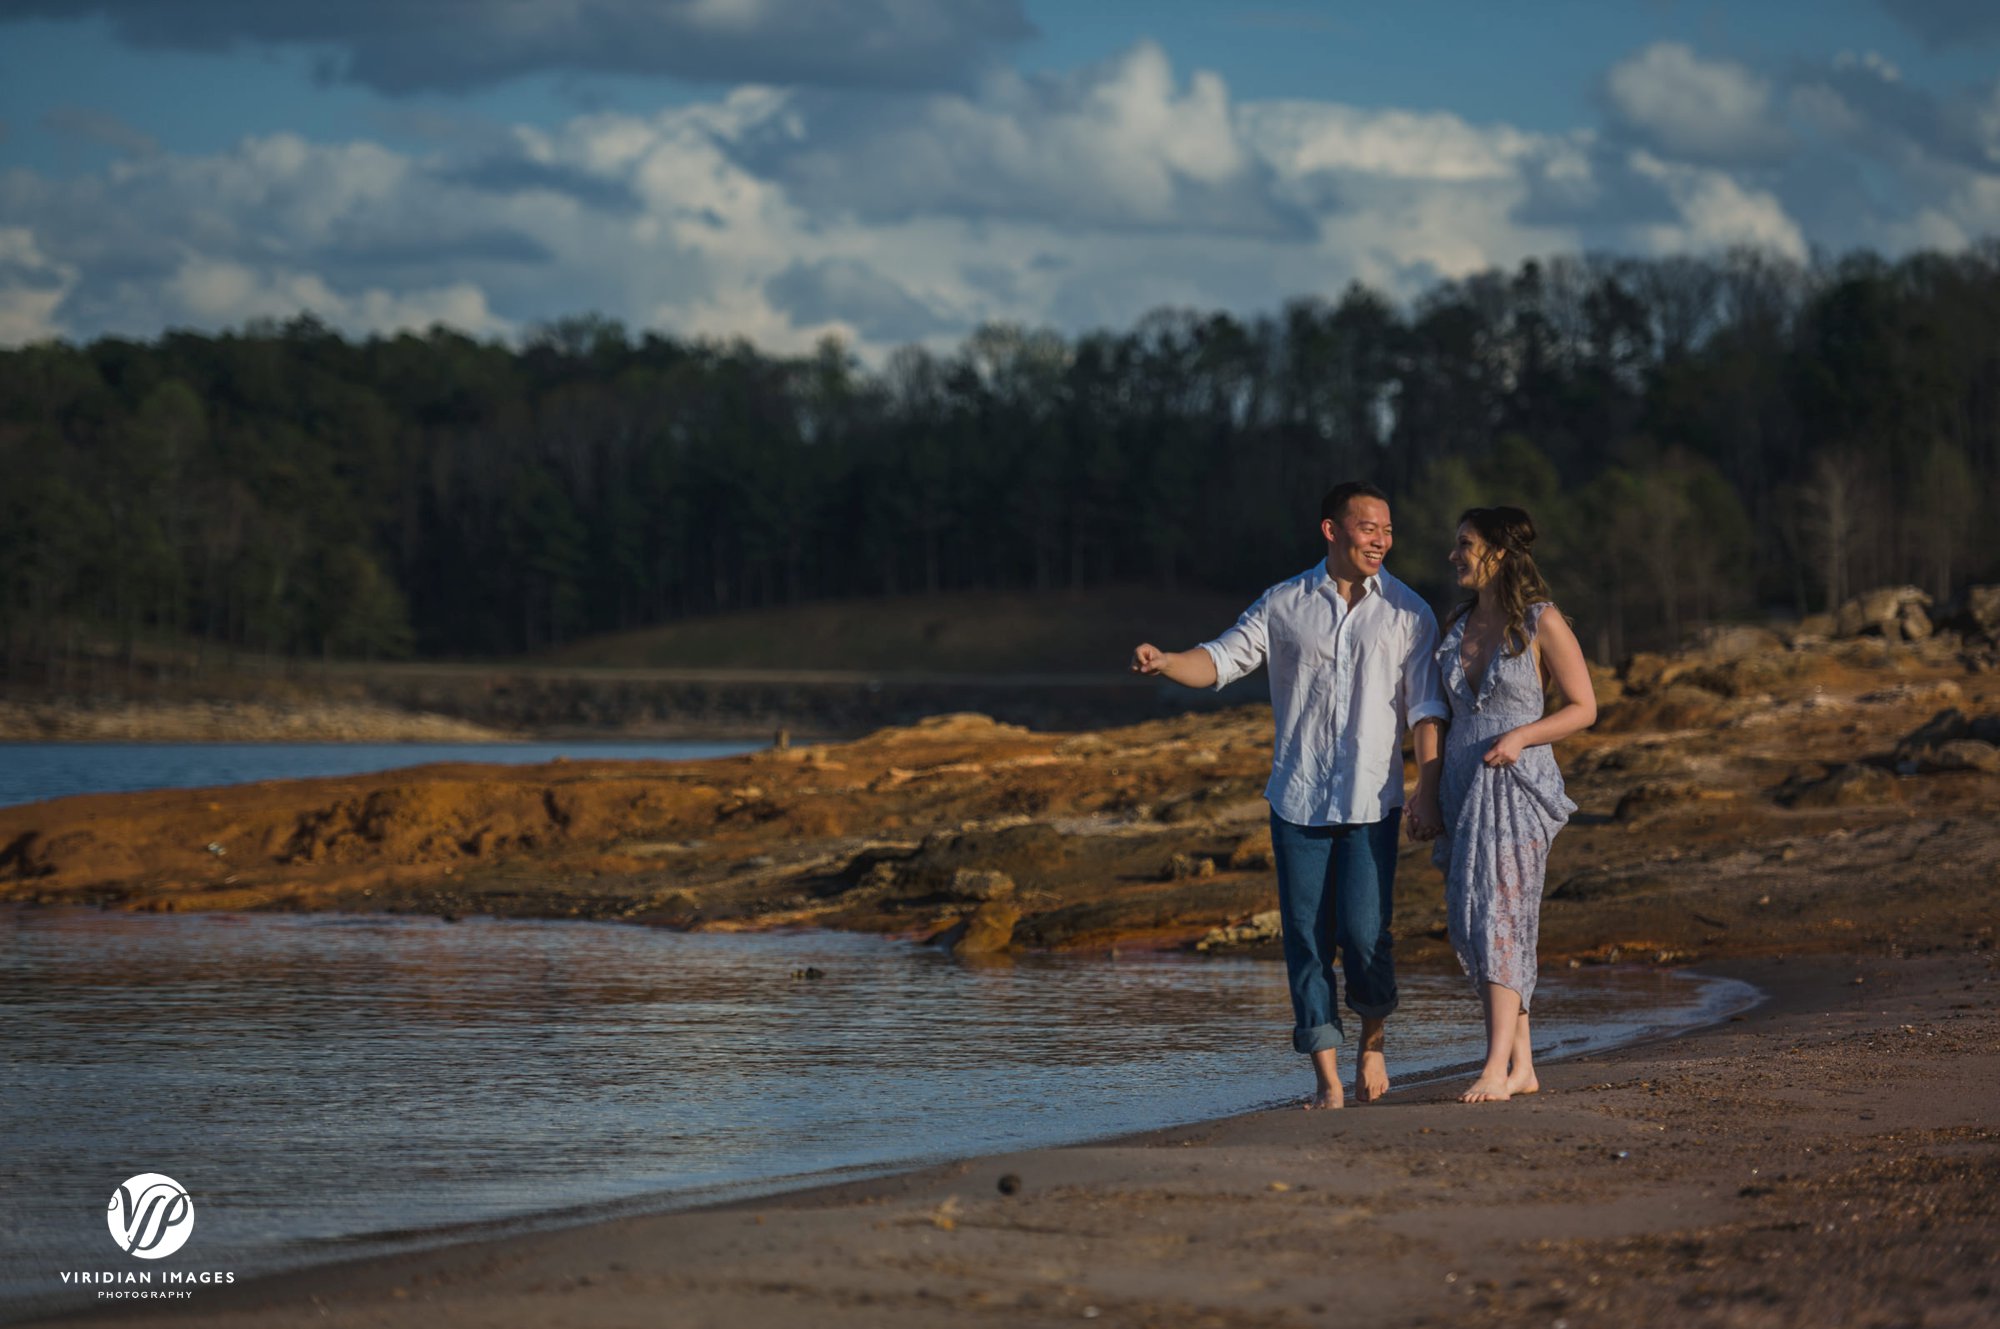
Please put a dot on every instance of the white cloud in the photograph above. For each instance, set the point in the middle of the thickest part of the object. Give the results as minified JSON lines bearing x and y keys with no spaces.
{"x":1983,"y":113}
{"x":856,"y":296}
{"x":1872,"y":61}
{"x":1121,"y":145}
{"x":1405,"y":197}
{"x":31,"y":289}
{"x":219,"y":293}
{"x":1694,"y":108}
{"x":101,"y":128}
{"x":1300,"y":137}
{"x":1969,"y":213}
{"x":1717,"y":212}
{"x":1079,"y":200}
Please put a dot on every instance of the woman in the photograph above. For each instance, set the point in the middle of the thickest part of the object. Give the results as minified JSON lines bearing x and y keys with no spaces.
{"x":1502,"y":792}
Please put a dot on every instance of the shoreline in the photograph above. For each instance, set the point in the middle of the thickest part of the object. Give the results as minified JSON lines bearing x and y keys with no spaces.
{"x":731,"y":1196}
{"x":1656,"y":1005}
{"x":1719,"y":1137}
{"x":416,"y":736}
{"x":337,"y":724}
{"x":465,"y":702}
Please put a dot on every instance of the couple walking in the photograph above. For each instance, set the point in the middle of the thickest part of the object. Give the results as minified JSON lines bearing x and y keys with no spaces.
{"x":1355,"y":660}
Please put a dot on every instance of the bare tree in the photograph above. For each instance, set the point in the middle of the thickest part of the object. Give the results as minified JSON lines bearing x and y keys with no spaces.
{"x":1684,"y":295}
{"x":1944,"y":503}
{"x":1830,"y":519}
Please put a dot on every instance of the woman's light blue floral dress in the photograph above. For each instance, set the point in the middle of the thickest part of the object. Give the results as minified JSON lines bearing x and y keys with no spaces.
{"x":1499,"y":822}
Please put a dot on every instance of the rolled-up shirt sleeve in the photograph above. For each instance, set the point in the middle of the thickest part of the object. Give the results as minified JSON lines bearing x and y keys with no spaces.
{"x":1241,"y":649}
{"x":1423,"y":688}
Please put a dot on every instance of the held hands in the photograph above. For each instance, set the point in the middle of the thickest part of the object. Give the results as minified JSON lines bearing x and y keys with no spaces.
{"x":1148,"y":659}
{"x":1506,"y":750}
{"x":1422,"y":819}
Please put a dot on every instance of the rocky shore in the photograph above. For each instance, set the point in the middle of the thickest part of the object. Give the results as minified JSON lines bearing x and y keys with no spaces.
{"x":445,"y":703}
{"x":229,"y":721}
{"x":1749,"y":795}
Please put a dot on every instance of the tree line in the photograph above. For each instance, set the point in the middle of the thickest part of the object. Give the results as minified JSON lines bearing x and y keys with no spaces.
{"x":1699,"y":437}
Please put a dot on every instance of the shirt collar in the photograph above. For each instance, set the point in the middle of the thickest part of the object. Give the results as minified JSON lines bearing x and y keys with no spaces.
{"x":1323,"y":579}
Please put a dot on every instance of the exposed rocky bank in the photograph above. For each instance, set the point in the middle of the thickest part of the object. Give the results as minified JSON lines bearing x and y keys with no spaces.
{"x":219,"y":720}
{"x":1751,"y":795}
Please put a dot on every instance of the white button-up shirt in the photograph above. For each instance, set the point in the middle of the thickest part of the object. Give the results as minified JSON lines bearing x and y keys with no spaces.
{"x":1345,"y":684}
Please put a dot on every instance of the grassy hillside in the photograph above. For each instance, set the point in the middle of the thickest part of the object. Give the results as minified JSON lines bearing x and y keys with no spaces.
{"x":972,"y":633}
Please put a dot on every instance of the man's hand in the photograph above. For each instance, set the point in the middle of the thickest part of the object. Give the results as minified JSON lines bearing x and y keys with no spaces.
{"x":1506,"y":750}
{"x":1190,"y":669}
{"x":1423,"y":819}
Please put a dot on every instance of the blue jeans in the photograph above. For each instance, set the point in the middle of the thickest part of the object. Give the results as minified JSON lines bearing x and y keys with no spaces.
{"x":1336,"y":887}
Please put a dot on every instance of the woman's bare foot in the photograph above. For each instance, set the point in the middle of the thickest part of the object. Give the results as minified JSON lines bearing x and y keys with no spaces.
{"x":1521,"y":1065}
{"x":1506,"y":1047}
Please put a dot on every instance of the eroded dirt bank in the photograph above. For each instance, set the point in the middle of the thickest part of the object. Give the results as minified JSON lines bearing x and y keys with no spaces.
{"x":1742,"y":799}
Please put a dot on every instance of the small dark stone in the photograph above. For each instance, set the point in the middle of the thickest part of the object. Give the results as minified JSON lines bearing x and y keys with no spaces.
{"x":1010,"y":1184}
{"x":808,"y":973}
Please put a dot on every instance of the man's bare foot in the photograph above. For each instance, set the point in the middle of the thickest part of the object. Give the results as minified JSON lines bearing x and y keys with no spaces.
{"x":1371,"y":1076}
{"x":1371,"y":1069}
{"x":1487,"y":1089}
{"x":1326,"y":1079}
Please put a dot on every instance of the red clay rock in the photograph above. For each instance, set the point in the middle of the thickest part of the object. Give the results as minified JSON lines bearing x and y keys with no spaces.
{"x":905,"y":830}
{"x":990,"y":930}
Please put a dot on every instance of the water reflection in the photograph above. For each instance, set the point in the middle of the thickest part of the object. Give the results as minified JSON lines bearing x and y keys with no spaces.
{"x":322,"y":1082}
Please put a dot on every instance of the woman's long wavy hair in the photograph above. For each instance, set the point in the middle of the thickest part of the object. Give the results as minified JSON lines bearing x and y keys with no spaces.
{"x":1518,"y":582}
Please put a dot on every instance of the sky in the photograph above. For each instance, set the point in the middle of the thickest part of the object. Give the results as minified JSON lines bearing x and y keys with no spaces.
{"x":896,"y":171}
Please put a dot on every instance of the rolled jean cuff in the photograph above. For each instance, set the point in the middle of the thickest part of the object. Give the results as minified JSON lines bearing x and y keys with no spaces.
{"x":1318,"y":1038}
{"x":1372,"y":1011}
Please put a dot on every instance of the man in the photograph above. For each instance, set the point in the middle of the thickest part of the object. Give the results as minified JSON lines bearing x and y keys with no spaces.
{"x":1351,"y":653}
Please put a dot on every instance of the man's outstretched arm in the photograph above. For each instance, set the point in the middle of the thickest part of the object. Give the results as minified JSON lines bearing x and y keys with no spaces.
{"x":1212,"y":664}
{"x":1190,"y":669}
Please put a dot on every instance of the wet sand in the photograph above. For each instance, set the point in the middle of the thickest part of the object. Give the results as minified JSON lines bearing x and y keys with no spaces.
{"x":1830,"y":1157}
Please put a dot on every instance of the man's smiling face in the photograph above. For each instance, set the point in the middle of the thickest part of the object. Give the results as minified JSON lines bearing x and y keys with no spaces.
{"x":1359,"y":539}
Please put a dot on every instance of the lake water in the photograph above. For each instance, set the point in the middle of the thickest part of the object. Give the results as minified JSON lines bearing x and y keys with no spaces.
{"x":30,"y":771}
{"x":328,"y":1086}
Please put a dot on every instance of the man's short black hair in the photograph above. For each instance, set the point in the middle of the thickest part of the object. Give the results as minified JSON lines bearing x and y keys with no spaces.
{"x":1334,"y":506}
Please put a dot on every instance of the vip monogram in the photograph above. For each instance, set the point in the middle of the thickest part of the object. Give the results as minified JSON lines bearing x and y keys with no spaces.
{"x":150,"y":1216}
